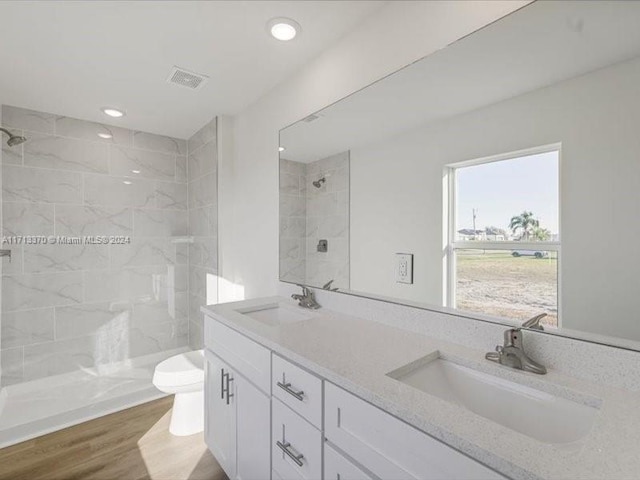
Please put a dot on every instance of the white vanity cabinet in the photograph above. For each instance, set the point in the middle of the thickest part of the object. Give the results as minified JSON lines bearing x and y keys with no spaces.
{"x":267,"y":417}
{"x":388,"y":447}
{"x":237,"y":412}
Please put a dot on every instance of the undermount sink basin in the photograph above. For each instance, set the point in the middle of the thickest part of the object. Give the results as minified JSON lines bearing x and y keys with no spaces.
{"x":537,"y":414}
{"x":275,"y":314}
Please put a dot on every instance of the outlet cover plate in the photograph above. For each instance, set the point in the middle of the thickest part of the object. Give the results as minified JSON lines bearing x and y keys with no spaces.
{"x":404,"y":268}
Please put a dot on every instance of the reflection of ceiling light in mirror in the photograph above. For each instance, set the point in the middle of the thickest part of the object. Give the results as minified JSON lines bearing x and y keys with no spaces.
{"x":113,"y":112}
{"x":127,"y":182}
{"x":105,"y":135}
{"x":135,"y":171}
{"x":281,"y":149}
{"x":283,"y":29}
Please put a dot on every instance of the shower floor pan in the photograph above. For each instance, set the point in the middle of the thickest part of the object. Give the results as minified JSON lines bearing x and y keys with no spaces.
{"x":31,"y":409}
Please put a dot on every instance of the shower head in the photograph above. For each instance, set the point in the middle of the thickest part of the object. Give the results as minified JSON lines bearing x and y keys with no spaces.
{"x":16,"y":140}
{"x":13,"y":139}
{"x":318,"y":183}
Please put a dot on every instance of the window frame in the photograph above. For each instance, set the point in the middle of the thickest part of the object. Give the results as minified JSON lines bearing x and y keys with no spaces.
{"x":452,"y":245}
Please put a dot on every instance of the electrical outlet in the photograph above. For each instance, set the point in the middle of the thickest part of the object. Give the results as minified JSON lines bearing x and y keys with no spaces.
{"x":404,"y":268}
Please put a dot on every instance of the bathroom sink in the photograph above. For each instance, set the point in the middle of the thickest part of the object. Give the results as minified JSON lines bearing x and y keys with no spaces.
{"x":275,"y":314}
{"x":548,"y":418}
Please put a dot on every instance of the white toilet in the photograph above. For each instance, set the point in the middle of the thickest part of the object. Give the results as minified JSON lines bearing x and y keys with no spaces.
{"x":183,"y":375}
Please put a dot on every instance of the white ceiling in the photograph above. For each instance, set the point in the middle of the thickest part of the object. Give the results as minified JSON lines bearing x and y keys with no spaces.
{"x":539,"y":45}
{"x":71,"y":58}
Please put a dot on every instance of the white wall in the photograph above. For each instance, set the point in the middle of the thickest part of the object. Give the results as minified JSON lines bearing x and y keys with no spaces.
{"x":397,"y":207}
{"x":396,"y":35}
{"x":397,"y":184}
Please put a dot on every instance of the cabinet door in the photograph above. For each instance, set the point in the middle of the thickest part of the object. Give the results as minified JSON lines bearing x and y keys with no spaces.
{"x":253,"y":429}
{"x":337,"y":467}
{"x":220,"y":413}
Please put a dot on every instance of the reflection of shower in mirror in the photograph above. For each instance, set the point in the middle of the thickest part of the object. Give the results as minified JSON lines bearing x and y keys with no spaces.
{"x":13,"y":139}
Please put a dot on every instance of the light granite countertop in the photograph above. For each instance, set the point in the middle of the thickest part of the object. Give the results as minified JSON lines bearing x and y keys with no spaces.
{"x":357,"y":355}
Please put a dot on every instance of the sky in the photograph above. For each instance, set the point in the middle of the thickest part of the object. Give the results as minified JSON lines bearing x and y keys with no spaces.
{"x":503,"y":189}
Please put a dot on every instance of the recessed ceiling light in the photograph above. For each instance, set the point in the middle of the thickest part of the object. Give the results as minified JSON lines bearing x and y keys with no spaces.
{"x":281,"y":149}
{"x":113,"y":112}
{"x":105,"y":135}
{"x":283,"y":29}
{"x":127,"y":182}
{"x":135,"y":171}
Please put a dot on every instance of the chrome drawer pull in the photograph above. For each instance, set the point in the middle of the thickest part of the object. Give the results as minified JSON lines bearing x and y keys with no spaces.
{"x":229,"y":394}
{"x":287,"y":388}
{"x":285,"y":448}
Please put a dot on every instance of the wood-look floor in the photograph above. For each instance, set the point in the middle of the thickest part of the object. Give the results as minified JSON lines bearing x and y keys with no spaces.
{"x":134,"y":444}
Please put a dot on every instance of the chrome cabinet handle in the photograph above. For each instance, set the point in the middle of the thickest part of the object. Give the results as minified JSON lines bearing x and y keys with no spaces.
{"x":222,"y":383}
{"x":287,"y":388}
{"x":229,"y":394}
{"x":285,"y":448}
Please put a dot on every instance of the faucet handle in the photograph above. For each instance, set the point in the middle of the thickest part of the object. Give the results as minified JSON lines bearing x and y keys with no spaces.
{"x":513,"y":338}
{"x":534,"y":322}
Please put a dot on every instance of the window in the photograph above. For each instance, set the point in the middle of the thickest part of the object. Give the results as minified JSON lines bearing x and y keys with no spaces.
{"x":503,"y":238}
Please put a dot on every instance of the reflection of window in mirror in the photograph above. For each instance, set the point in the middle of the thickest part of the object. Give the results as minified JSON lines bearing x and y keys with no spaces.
{"x":504,"y":242}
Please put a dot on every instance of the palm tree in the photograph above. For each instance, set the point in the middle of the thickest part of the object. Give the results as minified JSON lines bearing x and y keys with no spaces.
{"x":541,"y":234}
{"x":525,"y":222}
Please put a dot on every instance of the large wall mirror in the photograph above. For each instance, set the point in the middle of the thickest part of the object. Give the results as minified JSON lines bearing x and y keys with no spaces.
{"x":499,"y":177}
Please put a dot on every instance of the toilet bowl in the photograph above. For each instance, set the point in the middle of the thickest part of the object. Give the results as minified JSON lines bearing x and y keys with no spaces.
{"x":183,"y":376}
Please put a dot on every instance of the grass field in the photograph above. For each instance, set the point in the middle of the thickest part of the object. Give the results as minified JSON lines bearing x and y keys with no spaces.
{"x":496,"y":283}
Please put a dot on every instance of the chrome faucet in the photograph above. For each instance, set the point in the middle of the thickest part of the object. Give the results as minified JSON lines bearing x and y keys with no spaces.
{"x":512,"y":353}
{"x":327,"y":286}
{"x":307,"y":299}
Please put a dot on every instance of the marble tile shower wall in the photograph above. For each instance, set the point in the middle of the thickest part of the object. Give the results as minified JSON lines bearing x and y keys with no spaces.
{"x":293,"y":220}
{"x":66,"y":307}
{"x":203,"y":227}
{"x":309,"y":214}
{"x":328,"y":219}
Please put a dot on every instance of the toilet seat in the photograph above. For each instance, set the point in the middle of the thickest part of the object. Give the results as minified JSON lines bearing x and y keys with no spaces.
{"x":180,"y":370}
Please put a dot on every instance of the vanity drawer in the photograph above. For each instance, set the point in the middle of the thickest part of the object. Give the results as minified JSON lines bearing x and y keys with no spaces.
{"x":245,"y":356}
{"x":337,"y":467}
{"x":388,"y":447}
{"x":302,"y":442}
{"x":297,"y":388}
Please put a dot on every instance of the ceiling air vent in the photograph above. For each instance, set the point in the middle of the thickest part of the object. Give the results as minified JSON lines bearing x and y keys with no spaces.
{"x":311,"y":118}
{"x":184,"y":78}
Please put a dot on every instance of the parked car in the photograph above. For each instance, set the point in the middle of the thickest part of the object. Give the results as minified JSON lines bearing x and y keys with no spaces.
{"x":529,"y":253}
